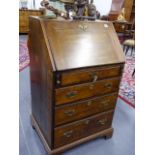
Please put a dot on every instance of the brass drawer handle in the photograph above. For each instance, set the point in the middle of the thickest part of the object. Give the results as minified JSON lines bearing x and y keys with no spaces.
{"x":70,"y":112}
{"x":108,"y":85}
{"x":68,"y":134}
{"x":94,"y":76}
{"x":71,"y":94}
{"x":105,"y":102}
{"x":103,"y":121}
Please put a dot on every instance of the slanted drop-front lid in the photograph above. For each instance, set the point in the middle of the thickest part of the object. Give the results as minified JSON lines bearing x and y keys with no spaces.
{"x":77,"y":44}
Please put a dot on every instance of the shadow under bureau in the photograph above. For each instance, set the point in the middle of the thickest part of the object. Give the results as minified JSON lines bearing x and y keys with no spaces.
{"x":75,"y":70}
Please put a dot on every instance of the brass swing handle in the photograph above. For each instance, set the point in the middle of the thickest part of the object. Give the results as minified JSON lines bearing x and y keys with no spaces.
{"x":71,"y":94}
{"x":68,"y":133}
{"x":108,"y":85}
{"x":94,"y":76}
{"x":103,"y":121}
{"x":105,"y":102}
{"x":70,"y":112}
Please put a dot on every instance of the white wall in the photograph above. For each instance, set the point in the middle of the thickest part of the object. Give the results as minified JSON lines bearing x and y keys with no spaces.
{"x":37,"y":4}
{"x":103,"y":6}
{"x":30,"y":4}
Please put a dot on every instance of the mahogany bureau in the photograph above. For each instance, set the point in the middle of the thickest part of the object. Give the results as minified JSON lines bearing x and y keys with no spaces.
{"x":75,"y":70}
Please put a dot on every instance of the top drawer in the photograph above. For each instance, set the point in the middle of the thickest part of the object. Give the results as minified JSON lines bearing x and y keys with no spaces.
{"x":87,"y":75}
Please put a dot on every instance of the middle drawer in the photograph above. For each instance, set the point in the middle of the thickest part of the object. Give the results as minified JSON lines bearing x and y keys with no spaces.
{"x":74,"y":111}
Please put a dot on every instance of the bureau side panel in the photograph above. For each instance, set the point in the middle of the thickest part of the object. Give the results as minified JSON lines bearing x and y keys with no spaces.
{"x":41,"y":76}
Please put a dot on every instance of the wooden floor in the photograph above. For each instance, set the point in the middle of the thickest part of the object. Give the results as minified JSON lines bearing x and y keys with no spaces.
{"x":122,"y":142}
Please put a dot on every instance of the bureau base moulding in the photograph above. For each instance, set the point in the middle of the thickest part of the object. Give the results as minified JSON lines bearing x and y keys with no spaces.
{"x":102,"y":134}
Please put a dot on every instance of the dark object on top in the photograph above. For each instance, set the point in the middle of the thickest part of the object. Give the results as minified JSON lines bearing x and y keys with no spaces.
{"x":82,"y":9}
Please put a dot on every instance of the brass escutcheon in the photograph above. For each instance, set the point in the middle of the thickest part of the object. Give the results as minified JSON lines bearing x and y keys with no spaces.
{"x":83,"y":27}
{"x":89,"y":103}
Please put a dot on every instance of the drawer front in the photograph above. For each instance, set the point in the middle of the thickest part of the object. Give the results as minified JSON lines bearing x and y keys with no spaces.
{"x":79,"y":110}
{"x":77,"y":130}
{"x":78,"y":92}
{"x":89,"y":75}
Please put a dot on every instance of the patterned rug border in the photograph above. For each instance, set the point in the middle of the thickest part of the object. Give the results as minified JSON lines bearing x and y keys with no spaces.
{"x":23,"y":67}
{"x":23,"y":54}
{"x":126,"y":101}
{"x":127,"y":82}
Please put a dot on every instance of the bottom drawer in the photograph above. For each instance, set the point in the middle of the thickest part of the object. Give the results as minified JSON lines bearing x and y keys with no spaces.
{"x":68,"y":133}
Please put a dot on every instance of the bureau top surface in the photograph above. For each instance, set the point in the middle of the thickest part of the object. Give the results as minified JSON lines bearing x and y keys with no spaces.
{"x":77,"y":44}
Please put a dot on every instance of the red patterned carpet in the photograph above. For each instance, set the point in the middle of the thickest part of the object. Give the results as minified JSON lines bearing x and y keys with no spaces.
{"x":127,"y":86}
{"x":23,"y":54}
